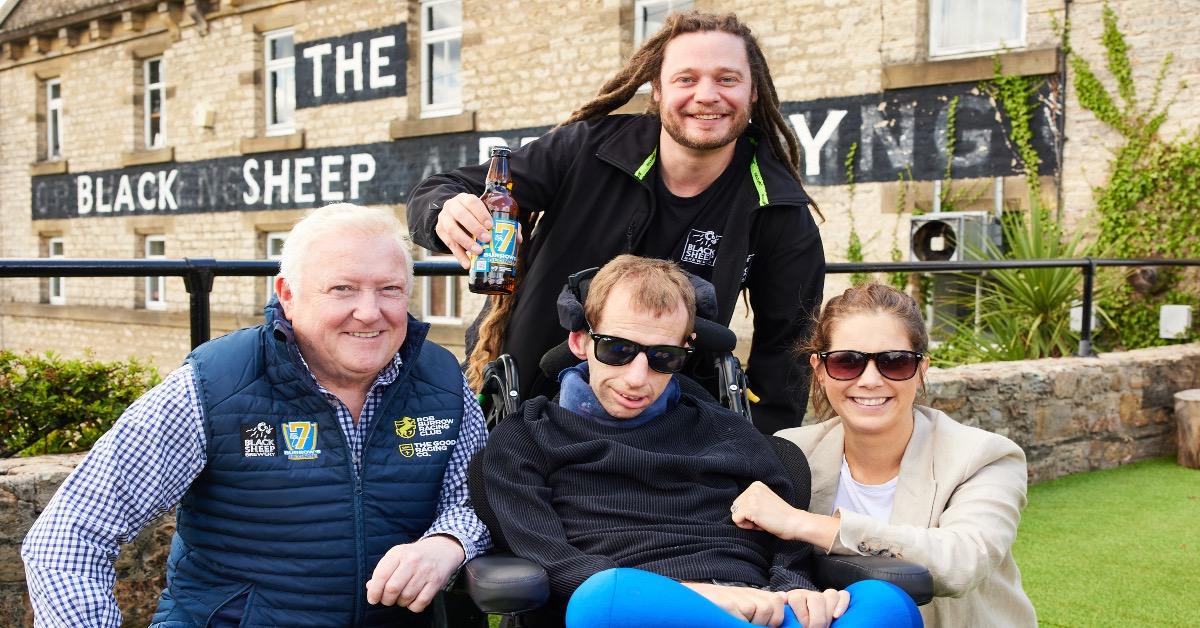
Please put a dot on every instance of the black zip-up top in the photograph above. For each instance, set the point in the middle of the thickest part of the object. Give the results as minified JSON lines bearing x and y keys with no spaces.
{"x":591,"y":183}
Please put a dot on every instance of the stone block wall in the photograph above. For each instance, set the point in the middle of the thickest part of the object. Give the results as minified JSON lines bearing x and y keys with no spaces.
{"x":1074,"y":414}
{"x":1069,"y":415}
{"x":26,"y":486}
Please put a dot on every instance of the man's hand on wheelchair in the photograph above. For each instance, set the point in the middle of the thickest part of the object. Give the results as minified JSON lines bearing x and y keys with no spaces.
{"x":814,"y":609}
{"x":818,"y":609}
{"x":410,"y":575}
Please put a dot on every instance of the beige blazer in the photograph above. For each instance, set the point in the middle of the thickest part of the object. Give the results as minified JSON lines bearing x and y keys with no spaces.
{"x":958,"y":502}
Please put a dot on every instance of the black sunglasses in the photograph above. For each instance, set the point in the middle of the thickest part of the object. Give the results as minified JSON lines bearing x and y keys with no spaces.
{"x":615,"y":351}
{"x":895,"y":365}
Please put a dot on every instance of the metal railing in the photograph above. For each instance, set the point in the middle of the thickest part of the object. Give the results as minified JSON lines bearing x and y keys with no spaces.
{"x":199,"y":273}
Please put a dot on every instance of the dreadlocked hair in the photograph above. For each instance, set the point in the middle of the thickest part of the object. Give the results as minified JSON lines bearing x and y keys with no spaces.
{"x":645,"y":66}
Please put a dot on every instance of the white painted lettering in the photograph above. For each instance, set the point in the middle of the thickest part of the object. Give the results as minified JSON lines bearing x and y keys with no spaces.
{"x":250,"y":196}
{"x":166,"y":191}
{"x":898,"y":148}
{"x":378,"y":61}
{"x":146,"y":202}
{"x":362,"y":169}
{"x":812,"y":145}
{"x":83,"y":195}
{"x":342,"y":65}
{"x":273,"y":181}
{"x":971,"y":147}
{"x":102,"y":206}
{"x":317,"y":54}
{"x":331,"y":171}
{"x":124,"y":200}
{"x":302,"y":178}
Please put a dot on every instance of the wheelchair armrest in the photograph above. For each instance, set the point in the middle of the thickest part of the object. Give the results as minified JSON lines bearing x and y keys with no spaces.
{"x":503,"y":585}
{"x":838,"y":572}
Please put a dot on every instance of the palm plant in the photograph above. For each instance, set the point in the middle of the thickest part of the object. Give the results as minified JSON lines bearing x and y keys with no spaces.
{"x":1020,"y":314}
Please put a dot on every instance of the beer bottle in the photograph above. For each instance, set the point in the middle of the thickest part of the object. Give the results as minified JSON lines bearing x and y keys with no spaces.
{"x":495,"y":270}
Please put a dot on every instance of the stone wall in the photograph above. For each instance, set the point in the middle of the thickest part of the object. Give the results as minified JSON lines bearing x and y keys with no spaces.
{"x":1074,"y":414}
{"x":26,"y":486}
{"x":1070,"y":415}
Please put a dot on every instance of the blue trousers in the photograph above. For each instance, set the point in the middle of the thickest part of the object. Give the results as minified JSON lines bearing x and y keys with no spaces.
{"x":627,"y":598}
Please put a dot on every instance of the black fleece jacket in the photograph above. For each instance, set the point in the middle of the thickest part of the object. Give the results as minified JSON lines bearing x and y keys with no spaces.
{"x":590,"y":182}
{"x":577,"y":496}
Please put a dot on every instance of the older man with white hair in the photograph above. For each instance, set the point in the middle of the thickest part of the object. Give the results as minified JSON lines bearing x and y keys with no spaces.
{"x":317,"y":461}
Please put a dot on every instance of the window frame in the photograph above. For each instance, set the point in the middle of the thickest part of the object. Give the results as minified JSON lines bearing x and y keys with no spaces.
{"x":453,"y":295}
{"x":270,"y":67}
{"x":936,"y":27}
{"x":56,"y":289}
{"x":148,"y":88}
{"x":639,"y":16}
{"x":269,"y":236}
{"x":429,"y":38}
{"x":54,"y":120}
{"x":161,"y":281}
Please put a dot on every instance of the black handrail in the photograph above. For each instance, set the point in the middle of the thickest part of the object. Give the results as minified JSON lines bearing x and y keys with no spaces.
{"x":199,"y":272}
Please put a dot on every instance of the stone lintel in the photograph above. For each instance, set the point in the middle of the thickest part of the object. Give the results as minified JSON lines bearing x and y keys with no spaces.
{"x":460,"y":123}
{"x":39,"y":168}
{"x":145,"y":157}
{"x":294,"y":141}
{"x":934,"y":72}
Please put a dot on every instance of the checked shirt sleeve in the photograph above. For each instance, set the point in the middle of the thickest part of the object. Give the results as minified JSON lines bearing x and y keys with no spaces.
{"x":135,"y":472}
{"x":455,"y":517}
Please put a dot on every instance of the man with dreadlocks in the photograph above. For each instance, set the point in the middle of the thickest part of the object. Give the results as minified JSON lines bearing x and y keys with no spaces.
{"x":707,"y":178}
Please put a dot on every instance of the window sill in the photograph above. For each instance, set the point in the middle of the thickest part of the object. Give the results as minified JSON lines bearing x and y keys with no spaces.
{"x":41,"y":168}
{"x":293,"y":141}
{"x":145,"y":157}
{"x":460,"y":123}
{"x":942,"y":72}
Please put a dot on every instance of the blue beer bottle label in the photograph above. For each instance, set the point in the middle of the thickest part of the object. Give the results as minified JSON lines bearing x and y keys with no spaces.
{"x":502,"y":250}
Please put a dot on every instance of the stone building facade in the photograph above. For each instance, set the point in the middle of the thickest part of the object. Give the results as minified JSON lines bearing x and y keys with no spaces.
{"x":205,"y":128}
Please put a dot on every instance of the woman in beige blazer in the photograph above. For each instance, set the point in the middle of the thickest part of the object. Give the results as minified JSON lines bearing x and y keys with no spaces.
{"x":893,"y":478}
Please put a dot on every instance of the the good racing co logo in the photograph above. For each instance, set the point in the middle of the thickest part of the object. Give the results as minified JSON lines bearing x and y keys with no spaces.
{"x":408,"y":428}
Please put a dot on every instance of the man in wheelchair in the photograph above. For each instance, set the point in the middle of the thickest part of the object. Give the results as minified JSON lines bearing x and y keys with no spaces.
{"x":627,"y":470}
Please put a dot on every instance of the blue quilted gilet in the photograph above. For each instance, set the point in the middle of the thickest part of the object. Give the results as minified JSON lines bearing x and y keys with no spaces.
{"x":280,"y":519}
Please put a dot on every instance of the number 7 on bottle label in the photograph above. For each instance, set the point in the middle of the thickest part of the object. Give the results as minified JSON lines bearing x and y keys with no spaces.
{"x":504,"y":241}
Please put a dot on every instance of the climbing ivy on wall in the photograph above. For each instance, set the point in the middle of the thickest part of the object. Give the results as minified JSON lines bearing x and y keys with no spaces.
{"x":1147,"y":208}
{"x":854,"y":247}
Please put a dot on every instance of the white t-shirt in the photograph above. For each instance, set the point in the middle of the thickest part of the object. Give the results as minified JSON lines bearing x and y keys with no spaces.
{"x":872,"y":500}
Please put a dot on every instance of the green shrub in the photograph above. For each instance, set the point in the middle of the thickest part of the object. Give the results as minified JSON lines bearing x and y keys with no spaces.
{"x":1021,"y":314}
{"x":52,"y":405}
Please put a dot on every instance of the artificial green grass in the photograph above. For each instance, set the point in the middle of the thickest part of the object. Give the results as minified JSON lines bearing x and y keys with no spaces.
{"x":1119,"y":547}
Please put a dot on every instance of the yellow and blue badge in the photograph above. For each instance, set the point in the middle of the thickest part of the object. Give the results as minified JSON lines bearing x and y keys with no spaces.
{"x":301,"y":437}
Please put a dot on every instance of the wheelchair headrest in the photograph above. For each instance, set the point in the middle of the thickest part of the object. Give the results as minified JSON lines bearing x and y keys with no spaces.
{"x":570,"y":300}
